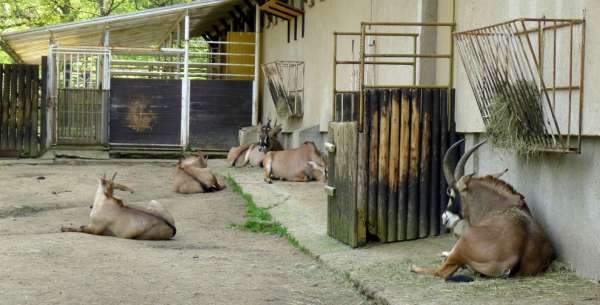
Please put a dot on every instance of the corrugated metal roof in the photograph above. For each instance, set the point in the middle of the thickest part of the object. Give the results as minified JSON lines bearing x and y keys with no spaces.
{"x":147,"y":28}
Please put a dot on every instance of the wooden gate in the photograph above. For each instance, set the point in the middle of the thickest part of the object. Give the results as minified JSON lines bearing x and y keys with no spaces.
{"x":386,"y":182}
{"x":19,"y":110}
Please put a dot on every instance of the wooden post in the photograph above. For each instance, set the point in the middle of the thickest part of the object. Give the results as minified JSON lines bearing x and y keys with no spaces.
{"x":1,"y":101}
{"x":443,"y":147}
{"x":4,"y":143}
{"x":404,"y":166}
{"x":21,"y":101}
{"x":383,"y":188}
{"x":27,"y":102}
{"x":35,"y":102}
{"x":12,"y":123}
{"x":255,"y":84}
{"x":44,"y":104}
{"x":362,"y":184}
{"x":394,"y":155}
{"x":373,"y":104}
{"x":424,"y":175}
{"x":434,"y":204}
{"x":412,"y":231}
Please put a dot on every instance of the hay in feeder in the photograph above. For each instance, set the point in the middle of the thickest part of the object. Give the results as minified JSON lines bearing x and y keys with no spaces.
{"x":516,"y":118}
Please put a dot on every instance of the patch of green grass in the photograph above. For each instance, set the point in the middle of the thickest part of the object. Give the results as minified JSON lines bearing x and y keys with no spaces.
{"x":259,"y":220}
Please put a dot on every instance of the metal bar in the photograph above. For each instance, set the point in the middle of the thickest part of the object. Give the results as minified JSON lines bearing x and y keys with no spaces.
{"x":405,"y":87}
{"x":375,"y":34}
{"x":361,"y":77}
{"x":563,"y":88}
{"x":222,"y":42}
{"x":356,"y":62}
{"x":441,"y":24}
{"x":221,"y":53}
{"x":185,"y":83}
{"x":550,"y":27}
{"x":570,"y":85}
{"x":553,"y":68}
{"x":334,"y":80}
{"x":172,"y":63}
{"x":255,"y":84}
{"x":400,"y":55}
{"x":522,"y":20}
{"x":581,"y":91}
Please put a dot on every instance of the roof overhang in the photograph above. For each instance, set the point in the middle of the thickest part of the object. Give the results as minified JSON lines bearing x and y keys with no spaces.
{"x":142,"y":29}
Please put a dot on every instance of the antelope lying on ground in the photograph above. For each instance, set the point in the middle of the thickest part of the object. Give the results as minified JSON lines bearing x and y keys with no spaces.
{"x":109,"y":216}
{"x":501,"y":237}
{"x":254,"y":153}
{"x":302,"y":164}
{"x":193,"y":176}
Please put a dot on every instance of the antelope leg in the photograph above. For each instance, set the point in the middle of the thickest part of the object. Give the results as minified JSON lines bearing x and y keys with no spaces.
{"x":90,"y":229}
{"x":122,"y":188}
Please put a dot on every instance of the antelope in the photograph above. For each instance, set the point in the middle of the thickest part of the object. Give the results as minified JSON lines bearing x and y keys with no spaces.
{"x":302,"y":164}
{"x":110,"y":216}
{"x":253,"y":153}
{"x":193,"y":176}
{"x":501,"y":238}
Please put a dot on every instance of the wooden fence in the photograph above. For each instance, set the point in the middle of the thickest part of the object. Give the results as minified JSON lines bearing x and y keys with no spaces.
{"x":19,"y":110}
{"x":387,"y":180}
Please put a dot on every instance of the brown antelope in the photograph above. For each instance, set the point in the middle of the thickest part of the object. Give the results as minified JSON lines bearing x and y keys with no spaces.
{"x":193,"y":176}
{"x":254,"y":153}
{"x":110,"y":216}
{"x":501,"y":237}
{"x":301,"y":164}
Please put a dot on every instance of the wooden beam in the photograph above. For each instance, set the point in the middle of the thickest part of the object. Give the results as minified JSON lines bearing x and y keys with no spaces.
{"x":244,"y":16}
{"x":6,"y":47}
{"x":172,"y":28}
{"x":225,"y":24}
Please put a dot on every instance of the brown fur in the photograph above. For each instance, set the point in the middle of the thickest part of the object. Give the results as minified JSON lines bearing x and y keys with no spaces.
{"x":109,"y":216}
{"x":189,"y":178}
{"x":293,"y":164}
{"x":502,"y":238}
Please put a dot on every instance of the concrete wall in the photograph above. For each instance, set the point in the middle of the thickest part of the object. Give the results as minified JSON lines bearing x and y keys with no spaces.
{"x":563,"y":191}
{"x":316,"y":50}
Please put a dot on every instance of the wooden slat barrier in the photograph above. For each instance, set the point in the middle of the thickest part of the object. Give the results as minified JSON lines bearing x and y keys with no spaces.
{"x":399,"y":191}
{"x":19,"y":107}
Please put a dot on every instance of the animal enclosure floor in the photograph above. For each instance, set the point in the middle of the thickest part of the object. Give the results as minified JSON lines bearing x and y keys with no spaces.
{"x":382,"y":270}
{"x":208,"y":262}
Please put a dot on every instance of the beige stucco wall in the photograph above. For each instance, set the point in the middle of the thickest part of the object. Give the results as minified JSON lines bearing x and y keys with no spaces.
{"x":477,"y":13}
{"x":316,"y":50}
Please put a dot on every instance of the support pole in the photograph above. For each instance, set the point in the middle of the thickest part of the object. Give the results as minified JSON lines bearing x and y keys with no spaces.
{"x":50,"y":95}
{"x":105,"y":132}
{"x":185,"y":84}
{"x":256,"y":67}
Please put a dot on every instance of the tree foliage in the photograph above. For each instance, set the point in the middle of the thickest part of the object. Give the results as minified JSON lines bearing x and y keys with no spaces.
{"x":24,"y":14}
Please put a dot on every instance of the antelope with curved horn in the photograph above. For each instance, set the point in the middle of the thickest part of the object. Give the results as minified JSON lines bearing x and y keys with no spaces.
{"x":109,"y":216}
{"x":254,"y":153}
{"x":501,"y":237}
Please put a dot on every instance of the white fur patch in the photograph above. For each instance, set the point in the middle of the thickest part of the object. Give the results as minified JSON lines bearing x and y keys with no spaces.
{"x":449,"y":219}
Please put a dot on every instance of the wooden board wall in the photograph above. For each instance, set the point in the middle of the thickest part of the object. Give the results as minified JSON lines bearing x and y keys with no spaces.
{"x":19,"y":110}
{"x":240,"y":49}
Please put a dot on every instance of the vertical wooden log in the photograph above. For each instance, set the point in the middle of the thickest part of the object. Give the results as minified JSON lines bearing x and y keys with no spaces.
{"x":27,"y":101}
{"x":443,"y":147}
{"x":362,"y":181}
{"x":394,"y":155}
{"x":21,"y":100}
{"x":12,"y":118}
{"x":331,"y":215}
{"x":43,"y":103}
{"x":383,"y":187}
{"x":4,"y":142}
{"x":412,"y":223}
{"x":434,"y":205}
{"x":1,"y":99}
{"x":373,"y":105}
{"x":34,"y":138}
{"x":424,"y":175}
{"x":404,"y":164}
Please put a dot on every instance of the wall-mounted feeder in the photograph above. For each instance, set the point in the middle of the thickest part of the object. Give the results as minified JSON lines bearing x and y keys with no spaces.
{"x":286,"y":84}
{"x":527,"y":78}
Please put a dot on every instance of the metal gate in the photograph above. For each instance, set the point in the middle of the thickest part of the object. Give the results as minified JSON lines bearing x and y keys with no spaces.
{"x":82,"y":83}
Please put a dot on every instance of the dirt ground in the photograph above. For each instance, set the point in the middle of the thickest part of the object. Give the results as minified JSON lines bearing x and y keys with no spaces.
{"x":208,"y":262}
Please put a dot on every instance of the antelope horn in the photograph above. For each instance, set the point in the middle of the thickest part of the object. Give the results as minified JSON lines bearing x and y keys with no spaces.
{"x":459,"y":171}
{"x":113,"y":177}
{"x":447,"y":166}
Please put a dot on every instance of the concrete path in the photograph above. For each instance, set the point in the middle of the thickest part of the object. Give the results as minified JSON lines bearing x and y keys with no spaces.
{"x":381,"y":271}
{"x":208,"y":262}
